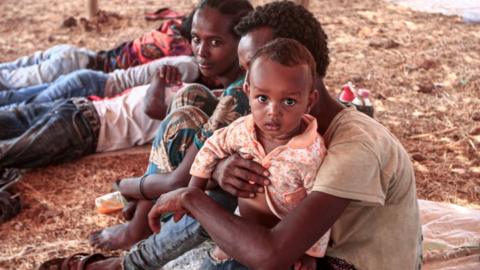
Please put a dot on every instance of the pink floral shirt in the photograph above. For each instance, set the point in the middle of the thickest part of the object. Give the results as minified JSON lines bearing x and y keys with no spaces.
{"x":293,"y":166}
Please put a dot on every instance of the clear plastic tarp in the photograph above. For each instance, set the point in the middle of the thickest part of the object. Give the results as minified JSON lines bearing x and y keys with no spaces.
{"x":469,"y":10}
{"x":451,"y":236}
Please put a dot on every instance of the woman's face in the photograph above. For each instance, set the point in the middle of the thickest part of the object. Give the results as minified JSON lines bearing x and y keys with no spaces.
{"x":214,"y":46}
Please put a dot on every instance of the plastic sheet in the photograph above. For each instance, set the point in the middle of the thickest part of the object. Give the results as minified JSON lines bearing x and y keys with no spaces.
{"x":469,"y":10}
{"x":451,"y":236}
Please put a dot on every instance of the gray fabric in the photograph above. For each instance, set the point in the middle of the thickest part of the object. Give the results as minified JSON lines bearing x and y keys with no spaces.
{"x":122,"y":79}
{"x":43,"y":66}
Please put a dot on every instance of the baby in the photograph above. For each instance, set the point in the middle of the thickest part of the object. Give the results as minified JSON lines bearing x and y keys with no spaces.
{"x":279,"y":134}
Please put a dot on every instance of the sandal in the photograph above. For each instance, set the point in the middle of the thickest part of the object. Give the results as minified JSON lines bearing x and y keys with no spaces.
{"x":162,"y":14}
{"x":77,"y":261}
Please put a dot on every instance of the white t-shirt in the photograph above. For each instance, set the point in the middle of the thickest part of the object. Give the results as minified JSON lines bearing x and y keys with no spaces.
{"x":123,"y":122}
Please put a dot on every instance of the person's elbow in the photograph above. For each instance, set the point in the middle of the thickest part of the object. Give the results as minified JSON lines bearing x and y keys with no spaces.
{"x":268,"y":259}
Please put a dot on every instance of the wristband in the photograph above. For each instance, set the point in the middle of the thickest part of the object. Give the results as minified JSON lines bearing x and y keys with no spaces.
{"x":142,"y":192}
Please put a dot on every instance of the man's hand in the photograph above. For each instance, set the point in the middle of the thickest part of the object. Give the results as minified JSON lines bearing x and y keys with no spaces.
{"x":241,"y":177}
{"x":168,"y":202}
{"x":157,"y":99}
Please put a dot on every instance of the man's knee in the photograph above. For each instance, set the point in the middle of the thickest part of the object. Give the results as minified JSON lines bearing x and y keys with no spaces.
{"x":185,"y":118}
{"x":195,"y":95}
{"x":87,"y":76}
{"x":194,"y":89}
{"x":174,"y":136}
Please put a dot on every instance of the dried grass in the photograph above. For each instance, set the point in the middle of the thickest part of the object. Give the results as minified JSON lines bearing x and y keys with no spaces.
{"x":422,"y":69}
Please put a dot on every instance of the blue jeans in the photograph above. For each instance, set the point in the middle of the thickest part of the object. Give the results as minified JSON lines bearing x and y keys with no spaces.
{"x":230,"y":264}
{"x":43,"y":66}
{"x":174,"y":239}
{"x":39,"y":134}
{"x":325,"y":263}
{"x":80,"y":83}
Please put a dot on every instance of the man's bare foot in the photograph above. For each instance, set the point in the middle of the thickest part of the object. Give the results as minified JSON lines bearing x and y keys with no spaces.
{"x":120,"y":236}
{"x":129,"y":210}
{"x":108,"y":264}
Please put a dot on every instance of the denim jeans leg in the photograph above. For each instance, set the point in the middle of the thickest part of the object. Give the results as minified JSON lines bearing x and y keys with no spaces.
{"x":17,"y":96}
{"x":174,"y":239}
{"x":45,"y":71}
{"x":55,"y":132}
{"x":209,"y":263}
{"x":37,"y":57}
{"x":18,"y":119}
{"x":81,"y":83}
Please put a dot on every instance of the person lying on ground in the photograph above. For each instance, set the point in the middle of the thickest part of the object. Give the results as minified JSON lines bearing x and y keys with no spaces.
{"x":125,"y":113}
{"x":46,"y":66}
{"x":194,"y":114}
{"x":84,"y":83}
{"x":279,"y":134}
{"x":38,"y":134}
{"x":365,"y":188}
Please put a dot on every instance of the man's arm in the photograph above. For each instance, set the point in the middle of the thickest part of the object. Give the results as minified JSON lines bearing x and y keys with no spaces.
{"x":253,"y":245}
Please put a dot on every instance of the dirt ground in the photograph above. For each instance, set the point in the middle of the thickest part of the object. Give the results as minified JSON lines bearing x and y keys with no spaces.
{"x":423,"y":71}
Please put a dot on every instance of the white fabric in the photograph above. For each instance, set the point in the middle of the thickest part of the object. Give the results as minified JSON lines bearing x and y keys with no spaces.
{"x":123,"y":122}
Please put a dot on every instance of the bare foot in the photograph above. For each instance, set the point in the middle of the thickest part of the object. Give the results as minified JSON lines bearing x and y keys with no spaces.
{"x":129,"y":210}
{"x":108,"y":264}
{"x":120,"y":236}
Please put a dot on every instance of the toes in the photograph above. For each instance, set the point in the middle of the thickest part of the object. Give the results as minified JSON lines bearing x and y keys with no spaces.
{"x":95,"y":238}
{"x":129,"y":210}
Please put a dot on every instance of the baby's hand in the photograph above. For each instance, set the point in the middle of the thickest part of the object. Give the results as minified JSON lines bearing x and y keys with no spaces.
{"x":305,"y":263}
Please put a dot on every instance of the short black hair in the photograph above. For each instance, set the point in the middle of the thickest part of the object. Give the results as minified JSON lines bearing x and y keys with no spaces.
{"x":289,"y":20}
{"x":235,"y":9}
{"x":287,"y":52}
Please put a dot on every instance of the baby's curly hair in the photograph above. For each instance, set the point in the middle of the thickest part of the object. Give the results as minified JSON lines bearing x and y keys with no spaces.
{"x":287,"y":52}
{"x":289,"y":20}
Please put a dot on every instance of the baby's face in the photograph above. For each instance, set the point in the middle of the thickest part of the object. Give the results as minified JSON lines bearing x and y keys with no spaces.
{"x":279,"y":96}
